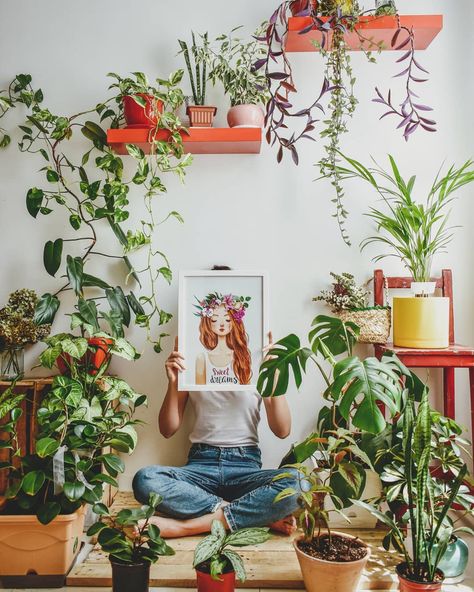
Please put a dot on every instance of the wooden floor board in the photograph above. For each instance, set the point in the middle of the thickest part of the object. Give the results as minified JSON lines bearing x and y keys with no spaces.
{"x":272,"y":565}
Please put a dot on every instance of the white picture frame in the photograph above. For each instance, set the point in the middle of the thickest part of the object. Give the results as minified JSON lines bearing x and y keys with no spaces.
{"x":194,"y":287}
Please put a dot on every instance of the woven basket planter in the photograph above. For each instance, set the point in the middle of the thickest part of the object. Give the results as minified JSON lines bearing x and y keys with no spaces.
{"x":374,"y":323}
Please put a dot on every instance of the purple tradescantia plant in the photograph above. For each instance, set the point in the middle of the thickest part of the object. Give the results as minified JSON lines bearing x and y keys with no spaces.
{"x":411,"y":113}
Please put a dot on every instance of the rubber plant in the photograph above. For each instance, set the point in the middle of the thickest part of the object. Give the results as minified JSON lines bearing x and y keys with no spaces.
{"x":287,"y":123}
{"x":83,"y":422}
{"x":94,"y":194}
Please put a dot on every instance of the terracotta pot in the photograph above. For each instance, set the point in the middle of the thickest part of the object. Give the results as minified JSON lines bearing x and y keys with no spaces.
{"x":330,"y":576}
{"x":92,"y":360}
{"x":245,"y":116}
{"x":206,"y":584}
{"x":130,"y":576}
{"x":201,"y":115}
{"x":29,"y":547}
{"x":407,"y":585}
{"x":138,"y":115}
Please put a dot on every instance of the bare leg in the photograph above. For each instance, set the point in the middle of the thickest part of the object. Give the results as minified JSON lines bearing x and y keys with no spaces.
{"x":286,"y":525}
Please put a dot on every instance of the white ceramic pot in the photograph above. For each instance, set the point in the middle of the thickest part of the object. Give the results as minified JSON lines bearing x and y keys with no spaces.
{"x":423,"y":288}
{"x":245,"y":116}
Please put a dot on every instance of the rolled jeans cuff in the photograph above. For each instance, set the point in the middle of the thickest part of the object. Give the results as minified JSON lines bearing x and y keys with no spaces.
{"x":230,"y":519}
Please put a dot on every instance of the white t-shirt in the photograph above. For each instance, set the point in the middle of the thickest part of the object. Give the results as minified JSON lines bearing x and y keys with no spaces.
{"x":225,"y":418}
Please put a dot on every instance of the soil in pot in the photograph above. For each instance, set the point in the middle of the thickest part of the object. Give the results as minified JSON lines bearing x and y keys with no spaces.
{"x":205,"y":583}
{"x":336,"y":548}
{"x":422,"y":584}
{"x":128,"y":577}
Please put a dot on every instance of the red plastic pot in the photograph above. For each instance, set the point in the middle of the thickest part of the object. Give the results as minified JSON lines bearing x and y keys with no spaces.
{"x":92,"y":360}
{"x":205,"y":583}
{"x":407,"y":585}
{"x":138,"y":115}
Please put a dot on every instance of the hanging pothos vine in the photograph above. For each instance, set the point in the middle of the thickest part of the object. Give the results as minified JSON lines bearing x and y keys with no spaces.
{"x":286,"y":124}
{"x":95,"y":190}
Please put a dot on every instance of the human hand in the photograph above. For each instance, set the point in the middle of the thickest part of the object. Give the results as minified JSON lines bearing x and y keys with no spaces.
{"x":174,"y":364}
{"x":268,"y":347}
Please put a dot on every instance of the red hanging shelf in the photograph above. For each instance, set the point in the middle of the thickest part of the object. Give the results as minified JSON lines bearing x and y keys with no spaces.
{"x":210,"y":140}
{"x":375,"y":28}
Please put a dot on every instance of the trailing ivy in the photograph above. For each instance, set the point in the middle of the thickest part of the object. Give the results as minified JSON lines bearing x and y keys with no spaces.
{"x":94,"y":190}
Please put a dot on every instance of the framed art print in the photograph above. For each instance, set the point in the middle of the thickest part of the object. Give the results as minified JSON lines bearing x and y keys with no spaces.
{"x":222,"y":327}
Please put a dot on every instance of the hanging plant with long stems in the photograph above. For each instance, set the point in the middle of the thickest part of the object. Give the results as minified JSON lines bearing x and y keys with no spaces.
{"x":94,"y":191}
{"x":333,"y":19}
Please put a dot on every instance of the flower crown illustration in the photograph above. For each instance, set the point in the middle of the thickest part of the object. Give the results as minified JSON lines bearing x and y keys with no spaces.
{"x":235,"y":305}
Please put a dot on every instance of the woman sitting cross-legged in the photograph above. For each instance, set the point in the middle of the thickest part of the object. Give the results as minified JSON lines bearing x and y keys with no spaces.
{"x":223,"y":479}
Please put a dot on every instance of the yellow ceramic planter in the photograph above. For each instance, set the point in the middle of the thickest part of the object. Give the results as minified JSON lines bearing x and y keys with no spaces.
{"x":421,"y":323}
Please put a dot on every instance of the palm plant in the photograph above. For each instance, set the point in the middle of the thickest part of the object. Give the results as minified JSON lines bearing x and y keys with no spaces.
{"x":413,"y":231}
{"x":412,"y":481}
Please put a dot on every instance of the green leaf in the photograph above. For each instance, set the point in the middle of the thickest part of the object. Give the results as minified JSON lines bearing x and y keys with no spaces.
{"x":75,"y":221}
{"x":334,"y":334}
{"x":96,"y":528}
{"x":119,"y":303}
{"x":48,"y":512}
{"x":88,"y":311}
{"x":218,"y":530}
{"x":75,"y":266}
{"x":52,"y":176}
{"x":92,"y":281}
{"x":206,"y":548}
{"x":347,"y":482}
{"x":34,"y":199}
{"x":237,"y":564}
{"x":33,"y":482}
{"x":101,"y":509}
{"x":46,"y":309}
{"x":124,"y":349}
{"x":94,"y":132}
{"x":74,"y":491}
{"x":166,"y":273}
{"x":75,"y":347}
{"x":154,"y":532}
{"x":248,"y":536}
{"x":113,"y":463}
{"x":274,"y":374}
{"x":52,"y":255}
{"x":135,"y":151}
{"x":46,"y":447}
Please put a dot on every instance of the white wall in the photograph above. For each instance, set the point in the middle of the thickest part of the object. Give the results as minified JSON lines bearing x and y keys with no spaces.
{"x":241,"y":210}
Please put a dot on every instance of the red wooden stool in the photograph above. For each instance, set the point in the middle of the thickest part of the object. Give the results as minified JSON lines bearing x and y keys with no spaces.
{"x":455,"y":356}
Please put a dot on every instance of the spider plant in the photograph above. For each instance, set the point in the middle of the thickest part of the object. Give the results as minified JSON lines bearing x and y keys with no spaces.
{"x":413,"y":231}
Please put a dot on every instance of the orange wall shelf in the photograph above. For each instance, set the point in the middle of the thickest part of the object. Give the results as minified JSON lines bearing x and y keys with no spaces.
{"x":209,"y":140}
{"x":377,"y":28}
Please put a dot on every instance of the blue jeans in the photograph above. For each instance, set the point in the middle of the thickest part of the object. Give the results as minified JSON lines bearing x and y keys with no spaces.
{"x":213,"y":474}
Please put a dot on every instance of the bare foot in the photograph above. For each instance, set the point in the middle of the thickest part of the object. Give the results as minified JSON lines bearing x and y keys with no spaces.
{"x":169,"y":527}
{"x":286,"y":525}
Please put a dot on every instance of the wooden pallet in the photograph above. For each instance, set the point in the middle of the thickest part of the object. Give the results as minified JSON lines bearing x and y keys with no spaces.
{"x":271,"y":565}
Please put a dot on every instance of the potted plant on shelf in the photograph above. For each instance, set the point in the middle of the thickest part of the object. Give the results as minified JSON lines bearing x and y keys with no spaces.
{"x":349,"y":302}
{"x":423,"y":530}
{"x":132,"y":542}
{"x":216,"y":564}
{"x":92,"y":188}
{"x":142,"y":102}
{"x":80,"y":419}
{"x":232,"y":63}
{"x":414,"y":232}
{"x":200,"y":114}
{"x":17,"y":330}
{"x":288,"y":123}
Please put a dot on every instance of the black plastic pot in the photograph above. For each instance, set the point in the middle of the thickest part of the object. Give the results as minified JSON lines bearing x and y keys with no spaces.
{"x":130,"y":577}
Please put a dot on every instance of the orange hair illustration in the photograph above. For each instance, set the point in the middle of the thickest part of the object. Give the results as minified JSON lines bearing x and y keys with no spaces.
{"x":236,"y":340}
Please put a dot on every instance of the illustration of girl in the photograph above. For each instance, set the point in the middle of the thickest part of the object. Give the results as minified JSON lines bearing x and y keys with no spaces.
{"x":227,"y":359}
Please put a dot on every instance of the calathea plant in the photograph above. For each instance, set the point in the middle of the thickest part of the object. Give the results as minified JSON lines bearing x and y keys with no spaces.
{"x":94,"y":191}
{"x":332,"y":19}
{"x":79,"y":418}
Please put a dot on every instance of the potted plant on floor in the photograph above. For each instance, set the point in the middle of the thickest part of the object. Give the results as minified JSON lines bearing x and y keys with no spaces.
{"x":232,"y":63}
{"x":132,"y":542}
{"x":200,"y":114}
{"x":414,"y":232}
{"x":80,"y":419}
{"x":349,"y":302}
{"x":423,"y":530}
{"x":216,"y":564}
{"x":17,"y":330}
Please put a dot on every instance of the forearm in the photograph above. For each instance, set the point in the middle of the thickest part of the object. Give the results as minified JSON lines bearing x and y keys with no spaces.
{"x":278,"y":415}
{"x":172,"y":411}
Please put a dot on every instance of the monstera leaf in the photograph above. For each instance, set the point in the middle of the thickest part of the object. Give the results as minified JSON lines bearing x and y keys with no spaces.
{"x":360,"y":385}
{"x":331,"y":336}
{"x":274,"y":375}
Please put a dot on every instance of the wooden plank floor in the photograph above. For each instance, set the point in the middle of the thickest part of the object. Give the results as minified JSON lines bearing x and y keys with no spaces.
{"x":271,"y":565}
